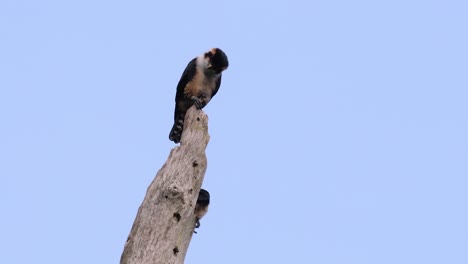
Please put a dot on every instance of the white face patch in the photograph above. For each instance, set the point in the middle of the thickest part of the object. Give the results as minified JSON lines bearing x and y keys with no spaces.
{"x":202,"y":62}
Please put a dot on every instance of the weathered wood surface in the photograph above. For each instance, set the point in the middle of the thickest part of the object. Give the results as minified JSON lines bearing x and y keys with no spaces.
{"x":165,"y":221}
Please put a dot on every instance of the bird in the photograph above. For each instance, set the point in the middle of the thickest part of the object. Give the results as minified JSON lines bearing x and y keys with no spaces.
{"x":198,"y":84}
{"x":201,"y":208}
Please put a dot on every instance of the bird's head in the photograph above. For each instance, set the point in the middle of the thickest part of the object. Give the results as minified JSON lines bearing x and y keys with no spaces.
{"x":217,"y":60}
{"x":203,"y":198}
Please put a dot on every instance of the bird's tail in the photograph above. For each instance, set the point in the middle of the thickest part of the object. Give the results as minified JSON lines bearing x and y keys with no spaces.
{"x":177,"y":128}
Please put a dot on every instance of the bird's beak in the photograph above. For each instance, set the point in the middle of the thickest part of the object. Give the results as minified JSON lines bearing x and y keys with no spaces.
{"x":209,"y":66}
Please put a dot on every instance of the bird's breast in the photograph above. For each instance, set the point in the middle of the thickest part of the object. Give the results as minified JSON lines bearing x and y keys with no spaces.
{"x":200,"y":85}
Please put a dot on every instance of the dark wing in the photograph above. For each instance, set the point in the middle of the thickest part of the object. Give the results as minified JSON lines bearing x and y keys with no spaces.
{"x":218,"y":84}
{"x":186,"y":77}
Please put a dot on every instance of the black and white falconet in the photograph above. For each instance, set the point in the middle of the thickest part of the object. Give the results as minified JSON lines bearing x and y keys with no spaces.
{"x":200,"y":81}
{"x":201,"y":208}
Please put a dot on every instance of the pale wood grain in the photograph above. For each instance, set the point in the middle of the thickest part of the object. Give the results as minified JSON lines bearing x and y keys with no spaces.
{"x":165,"y":221}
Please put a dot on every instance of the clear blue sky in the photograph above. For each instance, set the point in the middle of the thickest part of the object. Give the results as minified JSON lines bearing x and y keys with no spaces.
{"x":339,"y":134}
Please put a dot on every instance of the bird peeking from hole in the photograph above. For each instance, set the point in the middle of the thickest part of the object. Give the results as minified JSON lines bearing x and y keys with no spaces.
{"x":201,"y":208}
{"x":199,"y":82}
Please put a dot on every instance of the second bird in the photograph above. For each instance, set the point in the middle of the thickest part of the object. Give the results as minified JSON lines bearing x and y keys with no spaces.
{"x":200,"y":81}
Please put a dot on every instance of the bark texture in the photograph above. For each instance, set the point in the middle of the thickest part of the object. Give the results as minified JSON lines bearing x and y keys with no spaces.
{"x":165,"y":221}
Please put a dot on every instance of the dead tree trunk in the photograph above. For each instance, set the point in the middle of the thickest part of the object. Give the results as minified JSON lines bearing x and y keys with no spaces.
{"x":165,"y":220}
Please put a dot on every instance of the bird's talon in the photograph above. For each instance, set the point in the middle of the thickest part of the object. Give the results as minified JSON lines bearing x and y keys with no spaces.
{"x":198,"y":102}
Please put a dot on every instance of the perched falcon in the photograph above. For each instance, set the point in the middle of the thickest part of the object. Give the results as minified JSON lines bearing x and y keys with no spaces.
{"x":200,"y":81}
{"x":201,"y":208}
